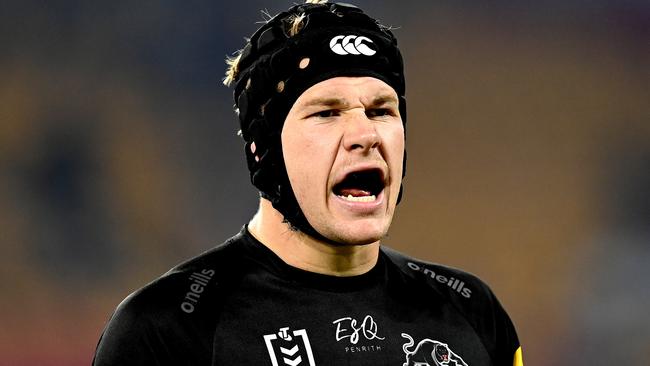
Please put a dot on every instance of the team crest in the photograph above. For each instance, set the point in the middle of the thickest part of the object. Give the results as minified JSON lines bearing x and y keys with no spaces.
{"x":429,"y":353}
{"x":289,"y":348}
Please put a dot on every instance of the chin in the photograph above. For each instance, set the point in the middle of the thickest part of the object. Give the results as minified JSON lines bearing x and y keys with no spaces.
{"x":357,"y":234}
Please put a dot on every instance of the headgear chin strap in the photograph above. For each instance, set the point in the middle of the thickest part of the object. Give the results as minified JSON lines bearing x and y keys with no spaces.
{"x":279,"y":63}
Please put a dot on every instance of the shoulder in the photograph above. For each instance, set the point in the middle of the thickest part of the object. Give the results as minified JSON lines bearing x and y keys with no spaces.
{"x":176,"y":311}
{"x":469,"y":295}
{"x":450,"y":282}
{"x":185,"y":287}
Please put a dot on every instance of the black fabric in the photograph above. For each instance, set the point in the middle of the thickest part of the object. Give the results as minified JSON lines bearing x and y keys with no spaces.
{"x":239,"y":304}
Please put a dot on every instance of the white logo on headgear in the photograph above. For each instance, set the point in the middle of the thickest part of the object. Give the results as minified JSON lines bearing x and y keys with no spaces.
{"x":343,"y":45}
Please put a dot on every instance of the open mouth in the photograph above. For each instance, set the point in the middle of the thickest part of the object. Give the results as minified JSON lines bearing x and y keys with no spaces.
{"x":361,"y":186}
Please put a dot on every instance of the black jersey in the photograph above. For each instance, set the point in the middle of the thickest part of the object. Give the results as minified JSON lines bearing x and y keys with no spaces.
{"x":240,"y":304}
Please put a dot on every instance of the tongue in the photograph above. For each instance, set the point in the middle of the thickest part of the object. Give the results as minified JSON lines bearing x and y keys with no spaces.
{"x":354,"y":192}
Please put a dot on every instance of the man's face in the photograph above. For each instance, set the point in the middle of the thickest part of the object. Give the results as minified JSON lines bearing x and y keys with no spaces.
{"x":343,"y":145}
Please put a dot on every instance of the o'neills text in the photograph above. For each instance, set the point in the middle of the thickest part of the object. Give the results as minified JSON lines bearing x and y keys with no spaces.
{"x":455,"y":284}
{"x":199,"y":282}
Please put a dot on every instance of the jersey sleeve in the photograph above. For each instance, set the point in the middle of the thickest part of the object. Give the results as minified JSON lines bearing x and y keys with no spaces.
{"x":158,"y":325}
{"x":472,"y":298}
{"x":129,"y":338}
{"x":503,"y":339}
{"x":171,"y":320}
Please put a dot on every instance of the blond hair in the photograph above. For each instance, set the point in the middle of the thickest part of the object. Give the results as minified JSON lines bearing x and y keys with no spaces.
{"x":294,"y":23}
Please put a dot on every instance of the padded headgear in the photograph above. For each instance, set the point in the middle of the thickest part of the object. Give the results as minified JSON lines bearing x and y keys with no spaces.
{"x":276,"y":67}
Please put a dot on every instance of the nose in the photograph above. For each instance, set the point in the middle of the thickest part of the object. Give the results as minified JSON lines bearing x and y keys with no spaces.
{"x":360,"y":134}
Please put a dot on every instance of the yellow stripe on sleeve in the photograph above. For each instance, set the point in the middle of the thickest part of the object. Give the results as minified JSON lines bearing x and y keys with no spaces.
{"x":518,"y":360}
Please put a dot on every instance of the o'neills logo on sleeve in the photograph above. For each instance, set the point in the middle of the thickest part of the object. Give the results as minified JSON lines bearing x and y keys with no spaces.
{"x":199,"y":280}
{"x":453,"y":283}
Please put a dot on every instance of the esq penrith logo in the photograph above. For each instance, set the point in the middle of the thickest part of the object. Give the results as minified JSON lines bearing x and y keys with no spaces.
{"x":350,"y":331}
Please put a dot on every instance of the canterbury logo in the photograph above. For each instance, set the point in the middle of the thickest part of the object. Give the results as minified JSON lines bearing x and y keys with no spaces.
{"x":352,"y":45}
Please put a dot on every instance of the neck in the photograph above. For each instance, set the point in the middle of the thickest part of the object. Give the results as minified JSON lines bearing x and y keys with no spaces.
{"x":307,"y":253}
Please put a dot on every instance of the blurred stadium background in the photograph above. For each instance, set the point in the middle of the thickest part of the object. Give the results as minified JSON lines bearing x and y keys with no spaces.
{"x":529,"y":161}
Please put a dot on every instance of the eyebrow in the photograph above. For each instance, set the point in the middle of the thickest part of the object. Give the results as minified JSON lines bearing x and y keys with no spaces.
{"x":383,"y":99}
{"x":326,"y":102}
{"x":338,"y":102}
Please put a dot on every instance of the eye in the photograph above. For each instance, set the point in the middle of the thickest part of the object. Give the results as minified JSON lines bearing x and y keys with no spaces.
{"x":326,"y":113}
{"x":379,"y":112}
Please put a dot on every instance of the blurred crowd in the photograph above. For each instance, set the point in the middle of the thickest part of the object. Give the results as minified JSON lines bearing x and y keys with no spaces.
{"x":528,"y":141}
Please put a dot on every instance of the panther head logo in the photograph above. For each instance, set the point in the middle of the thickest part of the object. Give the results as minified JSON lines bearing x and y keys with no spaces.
{"x":442,"y":353}
{"x":430,"y":353}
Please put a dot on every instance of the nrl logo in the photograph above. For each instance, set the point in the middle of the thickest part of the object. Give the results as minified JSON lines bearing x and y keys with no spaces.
{"x":292,"y":348}
{"x":430,"y":353}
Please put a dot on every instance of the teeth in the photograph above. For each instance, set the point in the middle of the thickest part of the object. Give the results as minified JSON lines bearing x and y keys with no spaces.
{"x":351,"y":198}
